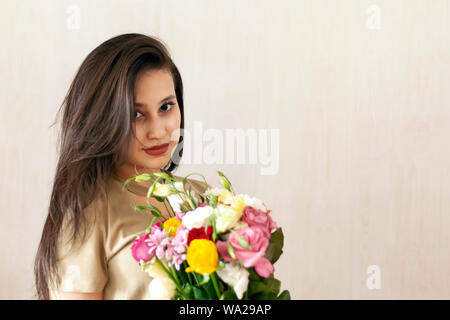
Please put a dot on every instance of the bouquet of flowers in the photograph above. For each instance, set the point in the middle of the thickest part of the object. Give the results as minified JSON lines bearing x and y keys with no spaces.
{"x":218,"y":246}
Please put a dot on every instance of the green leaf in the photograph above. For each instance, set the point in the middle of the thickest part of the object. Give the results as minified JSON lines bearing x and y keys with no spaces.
{"x":188,"y":291}
{"x":275,"y":248}
{"x":229,"y":294}
{"x":285,"y":295}
{"x":253,"y":275}
{"x":199,"y":294}
{"x":273,"y":285}
{"x":255,"y":287}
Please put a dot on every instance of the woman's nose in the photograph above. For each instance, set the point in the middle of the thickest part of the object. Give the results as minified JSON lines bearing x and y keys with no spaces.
{"x":155,"y":129}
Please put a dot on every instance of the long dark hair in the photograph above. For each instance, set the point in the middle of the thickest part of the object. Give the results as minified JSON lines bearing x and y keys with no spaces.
{"x":95,"y":136}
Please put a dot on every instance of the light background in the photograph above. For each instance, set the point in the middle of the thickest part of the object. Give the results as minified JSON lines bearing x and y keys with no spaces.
{"x":363,"y":115}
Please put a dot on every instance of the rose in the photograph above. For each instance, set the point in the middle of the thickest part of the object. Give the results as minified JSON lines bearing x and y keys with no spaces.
{"x":197,"y":218}
{"x":140,"y":250}
{"x":161,"y":288}
{"x":250,"y":257}
{"x":199,"y":233}
{"x":257,"y":218}
{"x":236,"y":276}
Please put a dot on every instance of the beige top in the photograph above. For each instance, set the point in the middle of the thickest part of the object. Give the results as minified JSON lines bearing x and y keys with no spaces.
{"x":104,"y":260}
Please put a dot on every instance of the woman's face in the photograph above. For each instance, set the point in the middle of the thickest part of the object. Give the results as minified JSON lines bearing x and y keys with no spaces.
{"x":157,"y":118}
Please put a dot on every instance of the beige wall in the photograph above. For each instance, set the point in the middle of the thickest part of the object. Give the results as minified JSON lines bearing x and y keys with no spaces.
{"x":359,"y":91}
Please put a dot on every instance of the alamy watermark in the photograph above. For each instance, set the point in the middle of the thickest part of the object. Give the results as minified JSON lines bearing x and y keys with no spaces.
{"x":374,"y":279}
{"x":231,"y":146}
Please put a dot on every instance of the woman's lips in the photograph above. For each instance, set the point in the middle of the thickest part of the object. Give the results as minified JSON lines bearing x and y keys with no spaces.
{"x":157,"y":150}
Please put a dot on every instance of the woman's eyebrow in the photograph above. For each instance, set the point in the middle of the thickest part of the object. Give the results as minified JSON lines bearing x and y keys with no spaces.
{"x":140,"y":104}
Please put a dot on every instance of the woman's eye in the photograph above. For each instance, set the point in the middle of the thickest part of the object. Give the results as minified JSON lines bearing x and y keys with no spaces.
{"x":135,"y":114}
{"x":169,"y":106}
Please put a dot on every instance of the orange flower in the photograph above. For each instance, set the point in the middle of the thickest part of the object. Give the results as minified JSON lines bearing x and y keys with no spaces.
{"x":172,"y":224}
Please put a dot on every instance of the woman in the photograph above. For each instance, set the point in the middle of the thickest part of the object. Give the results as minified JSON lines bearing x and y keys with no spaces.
{"x":126,"y":98}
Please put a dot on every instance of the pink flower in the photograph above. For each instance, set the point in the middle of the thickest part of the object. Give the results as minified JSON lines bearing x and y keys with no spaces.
{"x":257,"y":218}
{"x":139,"y":249}
{"x":180,"y":215}
{"x":175,"y":252}
{"x":254,"y":257}
{"x":157,"y":243}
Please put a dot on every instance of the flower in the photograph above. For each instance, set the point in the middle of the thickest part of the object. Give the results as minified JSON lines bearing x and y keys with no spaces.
{"x":214,"y":191}
{"x":257,"y":218}
{"x":171,"y":225}
{"x":228,"y":216}
{"x":199,"y":233}
{"x":139,"y":249}
{"x":225,"y":197}
{"x":164,"y":190}
{"x":157,"y":242}
{"x":236,"y":276}
{"x":161,"y":288}
{"x":253,"y":202}
{"x":176,"y":249}
{"x":197,"y":218}
{"x":202,"y":256}
{"x":250,"y":257}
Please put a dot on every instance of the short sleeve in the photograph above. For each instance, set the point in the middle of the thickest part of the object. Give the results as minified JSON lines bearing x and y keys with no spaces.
{"x":82,"y":267}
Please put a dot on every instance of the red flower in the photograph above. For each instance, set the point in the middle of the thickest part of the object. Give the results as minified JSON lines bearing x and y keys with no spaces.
{"x":199,"y":233}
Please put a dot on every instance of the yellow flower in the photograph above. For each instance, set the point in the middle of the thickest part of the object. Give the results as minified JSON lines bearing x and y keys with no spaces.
{"x":238,"y":205}
{"x":202,"y":256}
{"x":226,"y":197}
{"x":228,"y":216}
{"x":173,"y":224}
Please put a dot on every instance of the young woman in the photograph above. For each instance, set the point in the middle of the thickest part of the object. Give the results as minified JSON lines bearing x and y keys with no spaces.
{"x":123,"y":112}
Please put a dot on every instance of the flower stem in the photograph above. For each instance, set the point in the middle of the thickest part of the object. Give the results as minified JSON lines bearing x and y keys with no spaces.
{"x":188,"y":273}
{"x":171,"y":276}
{"x":216,"y":285}
{"x":168,"y":211}
{"x":174,"y":274}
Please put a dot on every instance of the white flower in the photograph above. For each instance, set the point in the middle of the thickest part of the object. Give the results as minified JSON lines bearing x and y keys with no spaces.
{"x":236,"y":276}
{"x":197,"y":218}
{"x":214,"y":191}
{"x":155,"y":271}
{"x":161,"y":288}
{"x":253,"y":202}
{"x":163,"y":190}
{"x":226,"y":217}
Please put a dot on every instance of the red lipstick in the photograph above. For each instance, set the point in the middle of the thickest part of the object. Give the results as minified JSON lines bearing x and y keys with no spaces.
{"x":157,"y":150}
